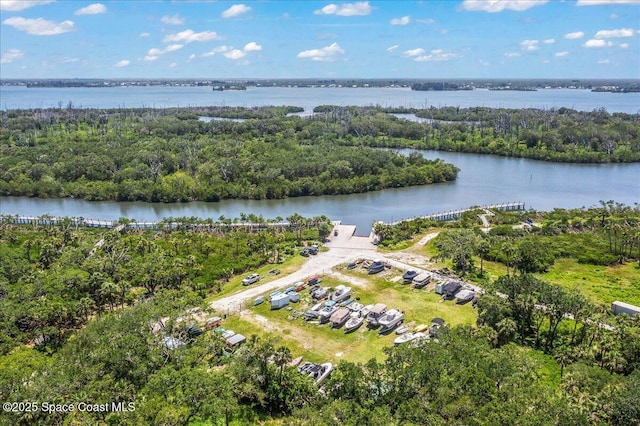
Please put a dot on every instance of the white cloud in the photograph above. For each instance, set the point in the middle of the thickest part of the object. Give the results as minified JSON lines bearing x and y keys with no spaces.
{"x":325,"y":54}
{"x":123,"y":63}
{"x":144,"y":34}
{"x":235,"y":10}
{"x":189,"y":36}
{"x":219,"y":49}
{"x":191,"y":57}
{"x":574,"y":36}
{"x":39,"y":26}
{"x":561,"y":54}
{"x":18,"y":5}
{"x":613,"y":16}
{"x":92,"y":9}
{"x":437,"y":55}
{"x":10,"y":56}
{"x":624,"y":45}
{"x":235,"y":54}
{"x":595,"y":43}
{"x":512,"y":54}
{"x":173,"y":48}
{"x":530,"y":45}
{"x":173,"y":65}
{"x":392,"y":48}
{"x":414,"y":52}
{"x":605,"y":2}
{"x":426,"y":21}
{"x":405,"y":20}
{"x":621,"y":33}
{"x":549,"y":41}
{"x":252,"y":47}
{"x":172,"y":20}
{"x":603,"y":61}
{"x":154,"y":53}
{"x":68,"y":60}
{"x":360,"y":8}
{"x":493,"y":6}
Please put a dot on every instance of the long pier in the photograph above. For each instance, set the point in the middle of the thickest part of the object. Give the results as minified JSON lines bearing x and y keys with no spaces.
{"x":119,"y":225}
{"x":455,"y":214}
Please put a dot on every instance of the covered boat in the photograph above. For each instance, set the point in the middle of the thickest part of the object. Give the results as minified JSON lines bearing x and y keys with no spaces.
{"x":339,"y":317}
{"x":375,"y":313}
{"x":464,"y":296}
{"x":409,"y":276}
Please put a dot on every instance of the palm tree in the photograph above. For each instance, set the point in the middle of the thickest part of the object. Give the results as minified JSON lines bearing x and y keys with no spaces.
{"x":281,"y":357}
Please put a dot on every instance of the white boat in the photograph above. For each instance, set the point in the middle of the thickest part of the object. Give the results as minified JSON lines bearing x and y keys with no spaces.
{"x":319,"y":372}
{"x":325,"y":313}
{"x":341,"y":294}
{"x":356,"y":307}
{"x":402,"y":329}
{"x":409,"y":337}
{"x":390,"y":320}
{"x":365,"y":311}
{"x":353,"y":324}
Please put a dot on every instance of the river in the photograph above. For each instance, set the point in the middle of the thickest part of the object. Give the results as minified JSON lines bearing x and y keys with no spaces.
{"x":482,"y":180}
{"x":17,"y":97}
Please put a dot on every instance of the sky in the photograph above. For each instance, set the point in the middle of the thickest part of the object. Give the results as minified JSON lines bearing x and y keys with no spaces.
{"x":320,"y":39}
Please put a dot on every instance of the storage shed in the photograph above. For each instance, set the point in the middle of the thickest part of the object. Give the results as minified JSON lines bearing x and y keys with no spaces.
{"x":279,"y":301}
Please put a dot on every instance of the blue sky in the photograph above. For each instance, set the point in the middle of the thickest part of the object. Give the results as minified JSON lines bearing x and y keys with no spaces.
{"x":320,"y":39}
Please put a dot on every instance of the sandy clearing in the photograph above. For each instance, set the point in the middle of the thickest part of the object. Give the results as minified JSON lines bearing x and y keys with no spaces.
{"x":428,"y":238}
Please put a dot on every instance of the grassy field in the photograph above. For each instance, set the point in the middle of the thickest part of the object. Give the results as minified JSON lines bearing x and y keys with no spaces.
{"x":292,"y":264}
{"x":321,"y":343}
{"x":602,"y":284}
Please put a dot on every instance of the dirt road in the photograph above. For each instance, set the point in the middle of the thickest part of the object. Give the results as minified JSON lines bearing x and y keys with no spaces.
{"x":343,"y":248}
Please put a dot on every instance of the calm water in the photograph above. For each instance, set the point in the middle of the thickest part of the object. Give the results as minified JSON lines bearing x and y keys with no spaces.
{"x":16,"y":97}
{"x":482,"y":180}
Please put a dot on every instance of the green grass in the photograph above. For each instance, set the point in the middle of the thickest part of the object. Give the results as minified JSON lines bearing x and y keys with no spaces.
{"x":321,"y":343}
{"x":234,"y":285}
{"x":601,"y":284}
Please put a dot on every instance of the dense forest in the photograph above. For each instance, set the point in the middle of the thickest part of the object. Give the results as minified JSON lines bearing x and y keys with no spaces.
{"x":81,"y":309}
{"x":171,"y":155}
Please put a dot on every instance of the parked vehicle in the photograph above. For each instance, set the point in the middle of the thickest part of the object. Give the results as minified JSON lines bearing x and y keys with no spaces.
{"x":250,"y":279}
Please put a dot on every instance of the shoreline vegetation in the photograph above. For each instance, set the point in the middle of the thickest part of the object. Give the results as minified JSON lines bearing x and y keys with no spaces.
{"x":171,"y":155}
{"x":102,"y":316}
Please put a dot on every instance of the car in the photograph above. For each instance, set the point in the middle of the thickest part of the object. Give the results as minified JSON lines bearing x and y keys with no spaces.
{"x":250,"y":279}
